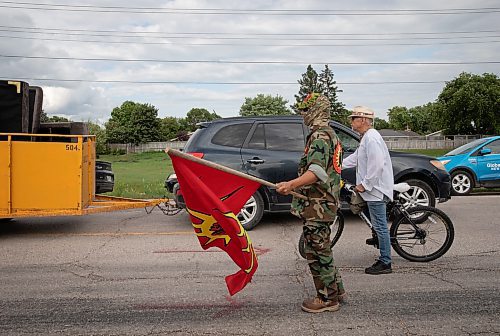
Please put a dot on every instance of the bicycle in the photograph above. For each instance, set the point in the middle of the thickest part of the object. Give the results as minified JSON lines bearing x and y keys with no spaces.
{"x":419,"y":233}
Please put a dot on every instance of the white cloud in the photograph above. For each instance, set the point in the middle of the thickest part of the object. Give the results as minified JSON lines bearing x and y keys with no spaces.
{"x":92,"y":100}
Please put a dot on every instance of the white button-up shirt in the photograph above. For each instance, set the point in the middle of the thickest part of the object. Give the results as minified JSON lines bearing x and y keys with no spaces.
{"x":374,"y":167}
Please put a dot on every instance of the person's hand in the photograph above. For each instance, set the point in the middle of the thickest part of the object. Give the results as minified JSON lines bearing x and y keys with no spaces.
{"x":359,"y":188}
{"x":284,"y":188}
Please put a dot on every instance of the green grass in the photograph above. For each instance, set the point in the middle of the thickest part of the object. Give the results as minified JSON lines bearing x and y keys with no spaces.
{"x":140,"y":175}
{"x":429,"y":152}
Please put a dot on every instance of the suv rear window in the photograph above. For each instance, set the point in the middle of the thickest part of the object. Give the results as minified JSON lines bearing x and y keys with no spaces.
{"x":232,"y":135}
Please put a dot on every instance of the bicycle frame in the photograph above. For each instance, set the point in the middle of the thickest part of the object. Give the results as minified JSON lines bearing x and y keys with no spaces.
{"x":366,"y":220}
{"x":396,"y":208}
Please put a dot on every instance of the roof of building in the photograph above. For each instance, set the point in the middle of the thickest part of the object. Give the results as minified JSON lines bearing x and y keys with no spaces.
{"x":394,"y":133}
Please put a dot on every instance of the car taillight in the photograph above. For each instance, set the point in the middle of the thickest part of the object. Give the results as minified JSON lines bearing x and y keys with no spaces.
{"x":198,"y":155}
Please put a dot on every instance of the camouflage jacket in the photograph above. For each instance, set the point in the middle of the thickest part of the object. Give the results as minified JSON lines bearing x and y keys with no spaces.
{"x":323,"y":148}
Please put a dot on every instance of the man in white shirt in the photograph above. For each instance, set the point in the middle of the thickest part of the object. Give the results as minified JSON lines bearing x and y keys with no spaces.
{"x":374,"y":181}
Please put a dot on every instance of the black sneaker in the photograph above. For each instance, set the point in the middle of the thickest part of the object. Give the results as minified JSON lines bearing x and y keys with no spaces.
{"x":379,"y":268}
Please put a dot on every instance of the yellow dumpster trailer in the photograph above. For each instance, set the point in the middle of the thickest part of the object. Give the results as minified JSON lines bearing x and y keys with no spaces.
{"x":47,"y":174}
{"x":53,"y":175}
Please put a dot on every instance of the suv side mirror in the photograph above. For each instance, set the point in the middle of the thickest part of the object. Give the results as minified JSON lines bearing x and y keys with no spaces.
{"x":485,"y":151}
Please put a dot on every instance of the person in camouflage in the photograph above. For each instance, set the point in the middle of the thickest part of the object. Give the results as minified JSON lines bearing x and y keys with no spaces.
{"x":319,"y":182}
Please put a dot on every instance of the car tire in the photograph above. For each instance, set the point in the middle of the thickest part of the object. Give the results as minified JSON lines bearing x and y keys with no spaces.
{"x":420,"y":193}
{"x":461,"y":183}
{"x":251,"y":213}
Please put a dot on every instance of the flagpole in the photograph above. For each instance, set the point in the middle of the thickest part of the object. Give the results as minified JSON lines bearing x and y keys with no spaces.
{"x":226,"y":169}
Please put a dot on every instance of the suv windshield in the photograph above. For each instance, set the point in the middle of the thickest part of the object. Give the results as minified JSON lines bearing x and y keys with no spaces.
{"x":466,"y":148}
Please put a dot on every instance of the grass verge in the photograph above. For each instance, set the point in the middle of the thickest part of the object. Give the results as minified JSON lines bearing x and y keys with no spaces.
{"x":429,"y":152}
{"x":140,"y":175}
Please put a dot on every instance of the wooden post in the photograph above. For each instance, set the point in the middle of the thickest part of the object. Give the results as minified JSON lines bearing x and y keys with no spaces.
{"x":227,"y":170}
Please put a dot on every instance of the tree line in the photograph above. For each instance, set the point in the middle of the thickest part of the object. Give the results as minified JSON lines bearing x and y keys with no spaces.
{"x":468,"y":104}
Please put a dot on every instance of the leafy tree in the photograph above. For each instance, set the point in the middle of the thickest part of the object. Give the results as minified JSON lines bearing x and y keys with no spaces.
{"x":425,"y":119}
{"x":264,"y":105}
{"x":133,"y":123}
{"x":399,"y":118}
{"x":380,"y":123}
{"x":196,"y":115}
{"x":100,"y":133}
{"x":471,"y":104}
{"x":184,"y":125}
{"x":433,"y":117}
{"x":44,"y":118}
{"x":169,"y":127}
{"x":58,"y":119}
{"x":329,"y":89}
{"x":421,"y":119}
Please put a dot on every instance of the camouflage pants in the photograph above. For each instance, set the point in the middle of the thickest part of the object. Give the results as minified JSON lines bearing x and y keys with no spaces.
{"x":326,"y":276}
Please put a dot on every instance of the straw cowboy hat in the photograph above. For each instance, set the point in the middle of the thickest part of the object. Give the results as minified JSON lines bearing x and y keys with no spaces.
{"x":362,"y":112}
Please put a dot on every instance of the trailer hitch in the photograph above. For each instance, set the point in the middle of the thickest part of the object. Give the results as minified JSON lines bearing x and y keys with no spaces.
{"x":169,"y":207}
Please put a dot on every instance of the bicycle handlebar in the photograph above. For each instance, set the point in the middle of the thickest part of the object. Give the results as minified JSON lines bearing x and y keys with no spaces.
{"x":348,"y":186}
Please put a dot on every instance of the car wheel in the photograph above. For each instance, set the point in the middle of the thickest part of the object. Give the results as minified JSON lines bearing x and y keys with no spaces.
{"x":420,"y":193}
{"x":251,"y":213}
{"x":461,"y":183}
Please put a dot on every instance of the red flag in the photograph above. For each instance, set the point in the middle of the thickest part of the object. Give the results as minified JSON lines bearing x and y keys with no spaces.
{"x":213,"y":197}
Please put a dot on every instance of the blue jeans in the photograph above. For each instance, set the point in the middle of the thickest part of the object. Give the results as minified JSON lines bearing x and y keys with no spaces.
{"x":378,"y":218}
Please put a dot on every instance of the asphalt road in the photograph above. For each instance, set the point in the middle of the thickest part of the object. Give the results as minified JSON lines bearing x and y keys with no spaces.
{"x":130,"y":273}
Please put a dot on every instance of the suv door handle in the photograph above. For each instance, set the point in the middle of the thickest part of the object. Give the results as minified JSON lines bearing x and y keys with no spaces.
{"x":256,"y":160}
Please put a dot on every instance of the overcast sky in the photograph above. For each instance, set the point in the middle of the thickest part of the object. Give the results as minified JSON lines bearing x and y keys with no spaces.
{"x":213,"y":54}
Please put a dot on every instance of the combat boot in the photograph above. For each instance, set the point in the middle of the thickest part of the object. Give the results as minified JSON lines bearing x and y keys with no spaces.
{"x":342,"y":296}
{"x":317,"y":305}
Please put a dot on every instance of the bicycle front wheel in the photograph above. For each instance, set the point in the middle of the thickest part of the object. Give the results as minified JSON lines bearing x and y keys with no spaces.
{"x":337,"y":228}
{"x":429,"y":238}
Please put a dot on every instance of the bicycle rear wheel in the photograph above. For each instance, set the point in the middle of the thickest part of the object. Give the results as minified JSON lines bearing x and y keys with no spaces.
{"x":432,"y":241}
{"x":337,"y":228}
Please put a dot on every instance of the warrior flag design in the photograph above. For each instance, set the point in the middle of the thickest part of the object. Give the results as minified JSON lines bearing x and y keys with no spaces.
{"x":213,"y":197}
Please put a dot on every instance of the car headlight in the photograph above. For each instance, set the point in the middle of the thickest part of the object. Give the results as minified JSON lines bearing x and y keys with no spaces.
{"x":172,"y":176}
{"x":439,"y":164}
{"x":445,"y":161}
